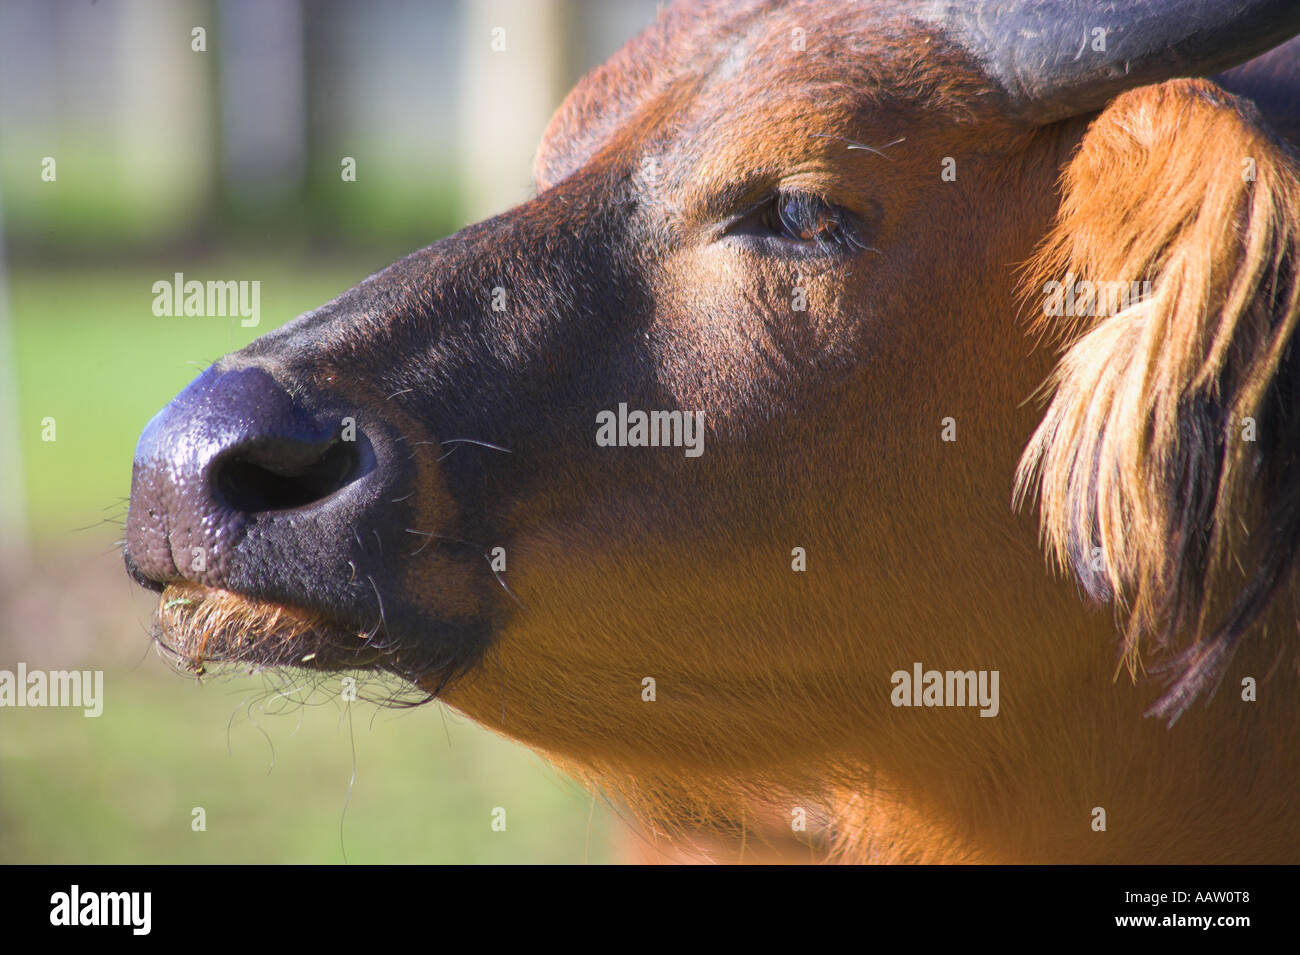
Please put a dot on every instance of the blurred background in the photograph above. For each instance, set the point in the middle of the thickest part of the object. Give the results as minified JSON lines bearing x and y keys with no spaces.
{"x":304,"y":144}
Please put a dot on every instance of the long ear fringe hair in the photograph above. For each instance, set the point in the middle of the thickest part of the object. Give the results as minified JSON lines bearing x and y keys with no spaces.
{"x":1167,"y":465}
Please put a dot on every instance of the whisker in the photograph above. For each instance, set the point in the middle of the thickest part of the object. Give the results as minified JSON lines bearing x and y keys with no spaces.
{"x":380,"y":598}
{"x":501,"y":581}
{"x":432,"y":537}
{"x":481,"y":444}
{"x":863,"y":146}
{"x":382,"y":621}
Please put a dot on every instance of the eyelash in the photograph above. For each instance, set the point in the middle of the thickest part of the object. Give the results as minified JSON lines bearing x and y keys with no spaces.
{"x":804,"y":221}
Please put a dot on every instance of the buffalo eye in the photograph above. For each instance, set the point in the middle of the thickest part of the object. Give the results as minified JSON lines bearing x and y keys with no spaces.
{"x":799,"y":223}
{"x":801,"y":217}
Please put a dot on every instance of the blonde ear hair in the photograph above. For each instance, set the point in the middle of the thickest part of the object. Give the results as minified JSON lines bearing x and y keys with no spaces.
{"x":1167,"y":464}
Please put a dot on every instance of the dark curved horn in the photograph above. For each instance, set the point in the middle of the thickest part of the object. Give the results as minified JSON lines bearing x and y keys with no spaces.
{"x":1049,"y":58}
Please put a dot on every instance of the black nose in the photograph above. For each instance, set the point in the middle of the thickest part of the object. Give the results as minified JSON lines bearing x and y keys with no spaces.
{"x":229,"y":447}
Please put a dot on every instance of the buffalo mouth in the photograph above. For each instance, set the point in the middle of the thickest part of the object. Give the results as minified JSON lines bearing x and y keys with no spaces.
{"x":198,"y":625}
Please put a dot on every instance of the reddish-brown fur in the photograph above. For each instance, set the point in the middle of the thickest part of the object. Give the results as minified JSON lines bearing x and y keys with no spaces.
{"x":773,"y":686}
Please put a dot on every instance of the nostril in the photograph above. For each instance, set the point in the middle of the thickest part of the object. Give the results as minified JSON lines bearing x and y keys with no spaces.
{"x":275,"y":474}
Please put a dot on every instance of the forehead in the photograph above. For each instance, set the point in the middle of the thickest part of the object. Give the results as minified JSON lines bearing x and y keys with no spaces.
{"x":745,"y":70}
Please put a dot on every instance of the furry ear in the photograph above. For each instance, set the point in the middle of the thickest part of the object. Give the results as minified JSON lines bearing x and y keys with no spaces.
{"x":1167,"y":465}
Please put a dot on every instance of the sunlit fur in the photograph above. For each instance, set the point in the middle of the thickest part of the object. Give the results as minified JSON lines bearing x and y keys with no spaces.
{"x":773,"y":687}
{"x":198,"y":625}
{"x":1146,"y":450}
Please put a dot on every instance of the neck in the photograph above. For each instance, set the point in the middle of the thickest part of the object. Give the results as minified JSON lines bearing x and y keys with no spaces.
{"x":1071,"y":771}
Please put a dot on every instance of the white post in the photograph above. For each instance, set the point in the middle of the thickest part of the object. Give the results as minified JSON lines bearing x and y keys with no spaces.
{"x":513,"y":80}
{"x":263,"y":99}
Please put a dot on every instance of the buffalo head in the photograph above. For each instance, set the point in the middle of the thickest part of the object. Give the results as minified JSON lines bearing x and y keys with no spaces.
{"x":668,"y":470}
